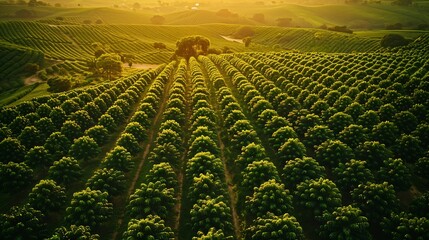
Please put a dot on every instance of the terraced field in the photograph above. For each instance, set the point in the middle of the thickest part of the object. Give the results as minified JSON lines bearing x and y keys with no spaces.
{"x":274,"y":145}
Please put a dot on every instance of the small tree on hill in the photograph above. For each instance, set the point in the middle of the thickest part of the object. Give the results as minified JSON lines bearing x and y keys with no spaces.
{"x":284,"y":22}
{"x":243,"y":32}
{"x":157,"y":19}
{"x":247,"y":41}
{"x":59,"y":83}
{"x":259,"y":17}
{"x":393,"y":40}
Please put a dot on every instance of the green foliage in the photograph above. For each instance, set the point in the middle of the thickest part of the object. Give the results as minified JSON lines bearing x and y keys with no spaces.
{"x":110,"y":64}
{"x":305,"y":121}
{"x":212,"y":234}
{"x":270,"y":196}
{"x":65,"y":171}
{"x":271,"y":227}
{"x":205,"y":185}
{"x":107,"y":122}
{"x":153,"y":198}
{"x":281,"y":136}
{"x":45,"y":125}
{"x":244,"y":31}
{"x":420,"y":205}
{"x":169,"y":136}
{"x":57,"y":145}
{"x":151,"y":227}
{"x":116,"y":113}
{"x":409,"y":148}
{"x":98,"y":133}
{"x":38,"y":156}
{"x":166,"y":152}
{"x":119,"y":159}
{"x":203,"y":144}
{"x":405,"y":121}
{"x":71,"y":130}
{"x":376,"y":200}
{"x":204,"y":162}
{"x":369,"y":119}
{"x":107,"y":180}
{"x":69,"y":106}
{"x":344,"y":223}
{"x":129,"y":142}
{"x":396,"y":173}
{"x":291,"y":149}
{"x":405,"y":226}
{"x":244,"y":138}
{"x":333,"y":152}
{"x":84,"y":148}
{"x":30,"y":137}
{"x":74,"y":232}
{"x":163,"y":172}
{"x":11,"y":150}
{"x":210,"y":213}
{"x":301,"y":169}
{"x":422,"y":167}
{"x":202,"y":131}
{"x":47,"y":196}
{"x":339,"y":121}
{"x":317,"y":195}
{"x":393,"y":40}
{"x":374,"y":153}
{"x":82,"y":118}
{"x":89,"y":207}
{"x":385,"y":132}
{"x":317,"y":135}
{"x":257,"y":173}
{"x":18,"y":124}
{"x":58,"y":116}
{"x":59,"y":83}
{"x":14,"y":176}
{"x":249,"y":154}
{"x":353,"y":135}
{"x":142,"y":118}
{"x":192,"y":46}
{"x":22,"y":223}
{"x":349,"y":175}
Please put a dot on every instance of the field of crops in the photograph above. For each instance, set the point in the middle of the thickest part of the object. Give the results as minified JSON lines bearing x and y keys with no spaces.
{"x":275,"y":145}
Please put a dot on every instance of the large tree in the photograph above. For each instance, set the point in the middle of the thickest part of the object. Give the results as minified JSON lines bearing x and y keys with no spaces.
{"x":110,"y":63}
{"x":192,"y":46}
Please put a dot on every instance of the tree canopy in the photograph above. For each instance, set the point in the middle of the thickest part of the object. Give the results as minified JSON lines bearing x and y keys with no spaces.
{"x":192,"y":46}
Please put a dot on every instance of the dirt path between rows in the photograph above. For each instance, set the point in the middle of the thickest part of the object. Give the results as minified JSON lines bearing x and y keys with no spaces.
{"x":232,"y":39}
{"x":183,"y":160}
{"x":228,"y":175}
{"x":32,"y":80}
{"x":230,"y":184}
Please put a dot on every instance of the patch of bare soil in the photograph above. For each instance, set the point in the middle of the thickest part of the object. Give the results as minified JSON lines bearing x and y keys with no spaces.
{"x":232,"y":39}
{"x":32,"y":80}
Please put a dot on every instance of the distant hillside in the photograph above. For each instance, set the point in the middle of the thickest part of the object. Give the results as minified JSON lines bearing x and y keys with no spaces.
{"x":371,"y":16}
